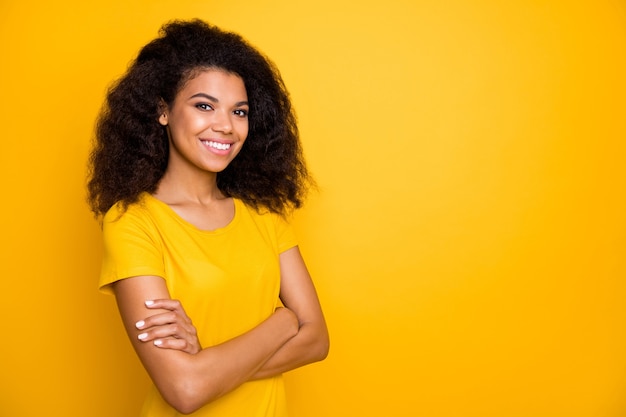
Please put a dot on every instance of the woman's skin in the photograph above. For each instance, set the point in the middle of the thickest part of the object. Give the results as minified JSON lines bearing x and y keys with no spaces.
{"x":207,"y":125}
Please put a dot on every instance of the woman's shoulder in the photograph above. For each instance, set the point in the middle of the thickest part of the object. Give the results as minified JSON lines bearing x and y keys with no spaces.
{"x":264,"y":218}
{"x":122,"y":211}
{"x":259,"y":213}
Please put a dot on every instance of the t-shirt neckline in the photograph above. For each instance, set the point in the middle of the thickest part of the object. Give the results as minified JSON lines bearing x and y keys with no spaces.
{"x":172,"y":213}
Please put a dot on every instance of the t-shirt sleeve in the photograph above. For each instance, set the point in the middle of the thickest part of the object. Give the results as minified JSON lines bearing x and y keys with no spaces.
{"x":131,"y":247}
{"x":286,"y":236}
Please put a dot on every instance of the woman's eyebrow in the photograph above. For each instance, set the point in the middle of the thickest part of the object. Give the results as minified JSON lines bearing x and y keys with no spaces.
{"x":204,"y":95}
{"x":215,"y":100}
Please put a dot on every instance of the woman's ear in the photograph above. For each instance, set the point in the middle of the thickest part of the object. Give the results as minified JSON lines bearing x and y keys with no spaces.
{"x":163,"y":112}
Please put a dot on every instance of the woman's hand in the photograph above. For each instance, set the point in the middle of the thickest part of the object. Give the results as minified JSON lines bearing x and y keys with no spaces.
{"x":170,"y":330}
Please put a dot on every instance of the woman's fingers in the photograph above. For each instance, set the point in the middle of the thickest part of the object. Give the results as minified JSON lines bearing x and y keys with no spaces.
{"x":169,"y":342}
{"x":168,"y":304}
{"x":177,"y":344}
{"x":159,"y":320}
{"x":170,"y":330}
{"x":166,"y":330}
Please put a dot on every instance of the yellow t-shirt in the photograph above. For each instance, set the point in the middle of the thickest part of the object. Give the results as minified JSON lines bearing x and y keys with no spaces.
{"x":228,"y":281}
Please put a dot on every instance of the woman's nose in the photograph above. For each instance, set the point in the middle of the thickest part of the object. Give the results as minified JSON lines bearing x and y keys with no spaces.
{"x":222,"y":122}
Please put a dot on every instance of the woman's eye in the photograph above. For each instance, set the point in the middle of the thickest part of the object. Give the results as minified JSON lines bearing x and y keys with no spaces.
{"x":241,"y":112}
{"x":204,"y":106}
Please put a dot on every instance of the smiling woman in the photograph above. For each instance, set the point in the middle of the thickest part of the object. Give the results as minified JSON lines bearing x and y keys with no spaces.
{"x":207,"y":125}
{"x":196,"y":165}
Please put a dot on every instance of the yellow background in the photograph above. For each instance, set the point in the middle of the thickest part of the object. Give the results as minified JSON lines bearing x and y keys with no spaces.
{"x":468,"y":238}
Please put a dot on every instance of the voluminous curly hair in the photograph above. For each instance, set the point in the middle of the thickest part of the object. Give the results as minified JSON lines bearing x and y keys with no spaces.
{"x":131,"y":148}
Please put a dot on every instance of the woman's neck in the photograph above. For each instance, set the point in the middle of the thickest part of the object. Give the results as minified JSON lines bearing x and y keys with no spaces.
{"x":177,"y":189}
{"x":198,"y":202}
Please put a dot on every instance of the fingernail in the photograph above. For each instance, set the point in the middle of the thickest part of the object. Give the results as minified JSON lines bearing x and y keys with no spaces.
{"x":142,"y":336}
{"x":158,"y":342}
{"x":140,"y":324}
{"x":149,"y":303}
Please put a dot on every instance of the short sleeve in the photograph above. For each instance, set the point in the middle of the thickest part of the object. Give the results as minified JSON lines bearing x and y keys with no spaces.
{"x":131,"y":247}
{"x":285,"y":234}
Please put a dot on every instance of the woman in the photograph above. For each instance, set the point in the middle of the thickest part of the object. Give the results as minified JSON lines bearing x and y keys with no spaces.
{"x":196,"y":164}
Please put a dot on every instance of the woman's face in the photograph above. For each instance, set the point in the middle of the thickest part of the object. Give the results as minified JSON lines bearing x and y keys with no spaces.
{"x":207,"y":123}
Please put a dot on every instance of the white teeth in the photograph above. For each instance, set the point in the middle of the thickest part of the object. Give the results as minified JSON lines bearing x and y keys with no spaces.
{"x":217,"y":145}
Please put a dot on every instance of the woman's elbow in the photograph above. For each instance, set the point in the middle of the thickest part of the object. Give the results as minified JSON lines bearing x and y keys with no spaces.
{"x":184,"y":408}
{"x":322,"y":346}
{"x":182,"y":399}
{"x":186,"y":397}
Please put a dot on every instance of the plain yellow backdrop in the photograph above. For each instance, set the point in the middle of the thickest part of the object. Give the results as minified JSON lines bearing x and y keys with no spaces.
{"x":468,"y":239}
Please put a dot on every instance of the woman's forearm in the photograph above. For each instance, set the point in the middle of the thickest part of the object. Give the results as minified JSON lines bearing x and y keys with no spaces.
{"x":187,"y":382}
{"x":298,"y":294}
{"x":219,"y":369}
{"x":311,"y":344}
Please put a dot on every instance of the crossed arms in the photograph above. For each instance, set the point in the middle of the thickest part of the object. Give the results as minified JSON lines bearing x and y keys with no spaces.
{"x":189,"y":376}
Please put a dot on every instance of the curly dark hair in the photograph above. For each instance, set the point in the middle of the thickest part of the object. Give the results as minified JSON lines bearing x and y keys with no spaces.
{"x":131,"y":148}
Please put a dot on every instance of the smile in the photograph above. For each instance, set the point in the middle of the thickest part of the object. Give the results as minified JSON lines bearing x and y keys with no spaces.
{"x":217,"y":145}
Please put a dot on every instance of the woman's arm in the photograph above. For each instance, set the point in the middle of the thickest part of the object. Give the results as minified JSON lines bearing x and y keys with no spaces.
{"x":187,"y":382}
{"x":298,"y":294}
